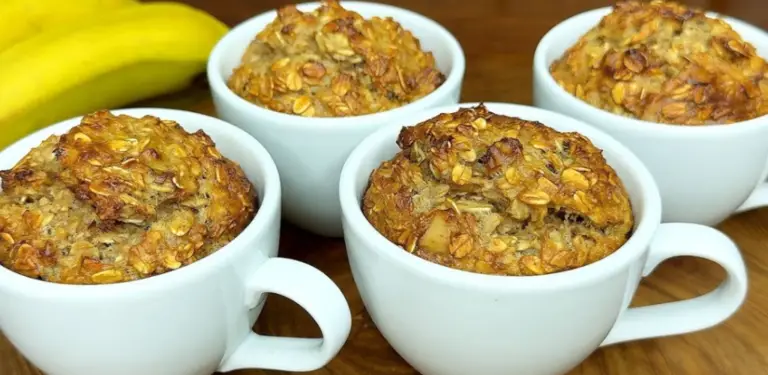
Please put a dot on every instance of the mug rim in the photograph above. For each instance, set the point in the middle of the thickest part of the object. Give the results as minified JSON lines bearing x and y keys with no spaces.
{"x":646,"y":224}
{"x":253,"y":25}
{"x":268,"y":209}
{"x":564,"y":29}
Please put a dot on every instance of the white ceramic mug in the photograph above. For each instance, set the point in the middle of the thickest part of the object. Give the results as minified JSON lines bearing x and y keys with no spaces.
{"x":191,"y":321}
{"x":309,"y":152}
{"x":704,"y":173}
{"x":450,"y":322}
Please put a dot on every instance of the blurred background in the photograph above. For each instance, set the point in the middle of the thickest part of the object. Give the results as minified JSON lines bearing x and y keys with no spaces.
{"x":84,"y":55}
{"x":498,"y":36}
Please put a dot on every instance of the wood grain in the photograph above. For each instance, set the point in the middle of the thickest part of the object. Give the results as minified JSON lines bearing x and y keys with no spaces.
{"x":499,"y":37}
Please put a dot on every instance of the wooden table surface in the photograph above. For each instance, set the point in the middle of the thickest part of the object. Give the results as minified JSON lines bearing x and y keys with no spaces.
{"x":499,"y":37}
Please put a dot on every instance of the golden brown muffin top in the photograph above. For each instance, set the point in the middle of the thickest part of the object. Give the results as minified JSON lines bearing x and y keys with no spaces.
{"x":493,"y":194}
{"x":332,"y":62}
{"x":664,"y":62}
{"x":120,"y":198}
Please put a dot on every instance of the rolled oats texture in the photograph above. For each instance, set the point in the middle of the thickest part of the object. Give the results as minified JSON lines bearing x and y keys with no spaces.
{"x":493,"y":194}
{"x":120,"y":198}
{"x":332,"y":62}
{"x":664,"y":62}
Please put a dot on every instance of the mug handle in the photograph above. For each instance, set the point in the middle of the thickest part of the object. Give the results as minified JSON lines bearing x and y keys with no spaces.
{"x":313,"y":291}
{"x":758,"y":198}
{"x":674,"y":318}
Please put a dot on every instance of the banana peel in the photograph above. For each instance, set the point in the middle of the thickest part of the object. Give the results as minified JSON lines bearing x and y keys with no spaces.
{"x":24,"y":18}
{"x":122,"y":56}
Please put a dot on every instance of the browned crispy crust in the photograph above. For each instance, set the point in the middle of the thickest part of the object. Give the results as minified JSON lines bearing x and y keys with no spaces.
{"x":493,"y":194}
{"x":332,"y":62}
{"x":664,"y":62}
{"x":120,"y":198}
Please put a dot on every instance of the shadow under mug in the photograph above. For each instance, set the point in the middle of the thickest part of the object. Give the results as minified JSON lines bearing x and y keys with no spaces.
{"x":444,"y":321}
{"x":704,"y":173}
{"x":191,"y":321}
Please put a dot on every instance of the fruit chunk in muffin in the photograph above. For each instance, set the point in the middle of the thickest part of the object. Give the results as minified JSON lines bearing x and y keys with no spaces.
{"x":493,"y":194}
{"x":661,"y":61}
{"x":332,"y":62}
{"x":119,"y":198}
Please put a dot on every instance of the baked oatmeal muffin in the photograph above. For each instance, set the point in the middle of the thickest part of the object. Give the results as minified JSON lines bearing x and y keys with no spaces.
{"x":119,"y":198}
{"x":493,"y":194}
{"x":664,"y":62}
{"x":332,"y":62}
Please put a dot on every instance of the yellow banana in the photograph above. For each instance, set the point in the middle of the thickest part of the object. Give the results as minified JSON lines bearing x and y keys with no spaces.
{"x":125,"y":55}
{"x":24,"y":18}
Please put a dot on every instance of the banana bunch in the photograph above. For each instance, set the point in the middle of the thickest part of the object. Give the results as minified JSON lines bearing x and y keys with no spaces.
{"x":60,"y":59}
